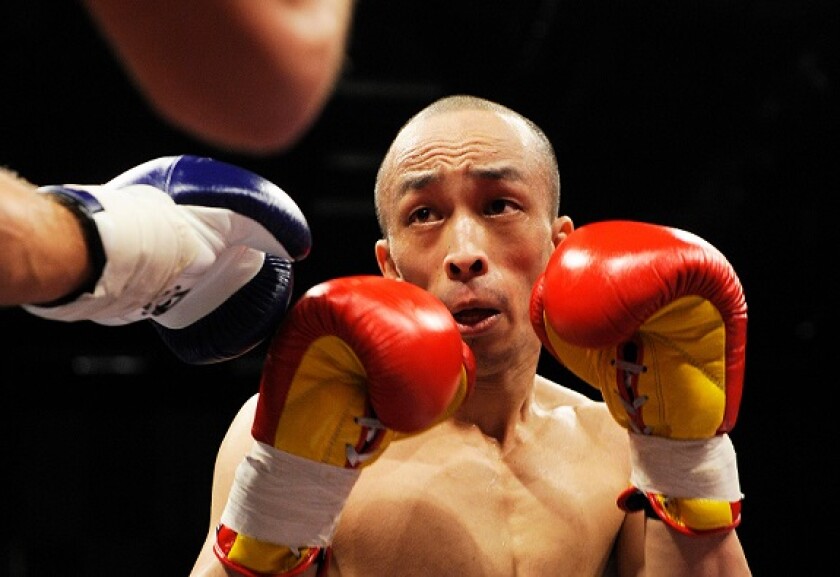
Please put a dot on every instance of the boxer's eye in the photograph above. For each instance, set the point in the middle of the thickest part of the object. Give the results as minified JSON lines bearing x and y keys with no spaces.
{"x":500,"y":206}
{"x":421,"y":215}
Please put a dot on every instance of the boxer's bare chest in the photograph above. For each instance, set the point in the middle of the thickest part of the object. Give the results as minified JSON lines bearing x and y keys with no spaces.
{"x":457,"y":504}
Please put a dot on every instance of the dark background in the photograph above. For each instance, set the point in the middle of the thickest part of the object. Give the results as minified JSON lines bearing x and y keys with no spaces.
{"x":720,"y":117}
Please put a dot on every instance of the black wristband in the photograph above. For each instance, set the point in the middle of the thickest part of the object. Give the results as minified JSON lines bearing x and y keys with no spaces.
{"x":83,"y":206}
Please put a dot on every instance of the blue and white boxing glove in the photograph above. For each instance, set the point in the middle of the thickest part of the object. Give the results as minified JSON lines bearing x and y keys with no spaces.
{"x":202,"y":248}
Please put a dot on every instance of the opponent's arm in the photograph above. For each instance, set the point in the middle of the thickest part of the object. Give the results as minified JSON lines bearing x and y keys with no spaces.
{"x":34,"y":267}
{"x":251,"y":75}
{"x":355,"y":361}
{"x":202,"y":248}
{"x":655,"y":318}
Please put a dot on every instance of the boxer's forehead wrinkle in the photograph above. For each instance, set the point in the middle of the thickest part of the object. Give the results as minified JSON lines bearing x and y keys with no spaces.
{"x":418,"y":180}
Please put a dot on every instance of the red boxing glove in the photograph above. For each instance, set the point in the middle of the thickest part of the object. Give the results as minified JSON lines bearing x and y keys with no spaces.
{"x":355,"y":361}
{"x":656,"y":319}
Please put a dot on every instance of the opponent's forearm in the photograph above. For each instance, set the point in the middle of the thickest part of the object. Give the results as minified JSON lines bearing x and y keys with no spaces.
{"x":668,"y":552}
{"x":44,"y":255}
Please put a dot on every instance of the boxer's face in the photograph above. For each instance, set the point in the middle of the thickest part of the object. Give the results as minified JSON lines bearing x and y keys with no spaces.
{"x":469,"y":216}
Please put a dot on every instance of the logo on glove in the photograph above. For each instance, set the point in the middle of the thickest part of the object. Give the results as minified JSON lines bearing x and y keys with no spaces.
{"x":169,"y":298}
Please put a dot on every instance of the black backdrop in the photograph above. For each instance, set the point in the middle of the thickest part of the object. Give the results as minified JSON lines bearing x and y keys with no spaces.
{"x":720,"y":117}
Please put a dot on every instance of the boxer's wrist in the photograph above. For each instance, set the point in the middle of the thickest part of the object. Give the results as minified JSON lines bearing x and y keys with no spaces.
{"x":692,"y":485}
{"x":271,"y":485}
{"x":701,"y":468}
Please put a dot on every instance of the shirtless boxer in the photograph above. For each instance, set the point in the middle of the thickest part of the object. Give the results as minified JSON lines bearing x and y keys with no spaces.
{"x":524,"y":478}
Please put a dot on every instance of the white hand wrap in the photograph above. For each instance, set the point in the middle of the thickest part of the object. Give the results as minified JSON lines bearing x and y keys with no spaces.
{"x":283,"y":499}
{"x":700,"y":469}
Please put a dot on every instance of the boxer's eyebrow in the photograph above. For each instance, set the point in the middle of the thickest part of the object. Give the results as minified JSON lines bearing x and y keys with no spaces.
{"x":501,"y":172}
{"x":416,"y":181}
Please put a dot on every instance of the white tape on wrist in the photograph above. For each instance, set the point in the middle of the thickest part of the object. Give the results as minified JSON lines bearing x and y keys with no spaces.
{"x":284,"y":499}
{"x":702,"y":469}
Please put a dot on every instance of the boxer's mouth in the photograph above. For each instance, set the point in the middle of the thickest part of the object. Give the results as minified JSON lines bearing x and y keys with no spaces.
{"x":476,"y":318}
